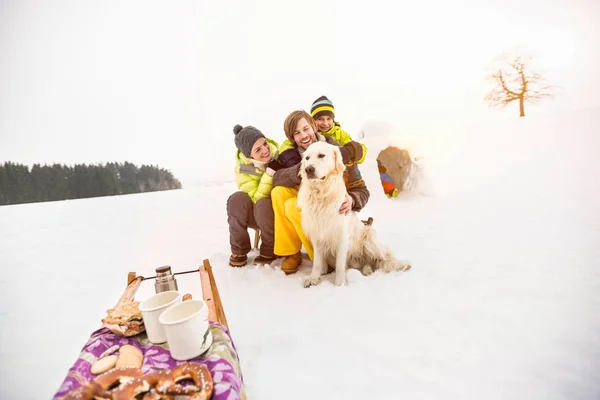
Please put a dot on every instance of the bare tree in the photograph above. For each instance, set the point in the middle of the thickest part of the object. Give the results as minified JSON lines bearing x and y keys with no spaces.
{"x":514,"y":81}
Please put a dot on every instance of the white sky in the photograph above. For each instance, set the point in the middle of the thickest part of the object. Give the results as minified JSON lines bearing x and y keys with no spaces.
{"x":164,"y":82}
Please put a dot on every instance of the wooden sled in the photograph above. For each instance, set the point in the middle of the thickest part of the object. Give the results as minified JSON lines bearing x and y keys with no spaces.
{"x":256,"y":238}
{"x":210,"y":292}
{"x":221,"y":356}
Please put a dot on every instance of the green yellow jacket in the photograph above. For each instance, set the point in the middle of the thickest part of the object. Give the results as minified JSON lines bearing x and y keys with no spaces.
{"x":338,"y":134}
{"x":343,"y":137}
{"x":251,"y":179}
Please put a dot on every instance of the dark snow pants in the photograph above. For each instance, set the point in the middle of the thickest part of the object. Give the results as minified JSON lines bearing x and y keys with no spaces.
{"x":243,"y":214}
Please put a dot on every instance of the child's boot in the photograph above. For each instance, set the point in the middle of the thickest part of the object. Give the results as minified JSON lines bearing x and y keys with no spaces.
{"x":265,"y":260}
{"x":238,"y":260}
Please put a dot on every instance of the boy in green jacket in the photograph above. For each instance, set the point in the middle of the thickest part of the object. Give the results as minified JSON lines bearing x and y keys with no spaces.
{"x":323,"y":113}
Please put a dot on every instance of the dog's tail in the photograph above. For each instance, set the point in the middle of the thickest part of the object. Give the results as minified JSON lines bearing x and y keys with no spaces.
{"x":374,"y":255}
{"x":383,"y":256}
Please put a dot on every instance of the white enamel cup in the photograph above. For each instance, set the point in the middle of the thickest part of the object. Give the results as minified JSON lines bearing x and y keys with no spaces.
{"x":187,"y":328}
{"x":152,"y":308}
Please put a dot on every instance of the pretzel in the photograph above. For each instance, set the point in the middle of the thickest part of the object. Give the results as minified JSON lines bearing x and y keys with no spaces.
{"x":160,"y":384}
{"x":198,"y":373}
{"x":100,"y":387}
{"x":163,"y":384}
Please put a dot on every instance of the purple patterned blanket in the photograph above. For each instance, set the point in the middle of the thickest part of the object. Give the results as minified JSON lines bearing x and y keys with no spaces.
{"x":221,"y":359}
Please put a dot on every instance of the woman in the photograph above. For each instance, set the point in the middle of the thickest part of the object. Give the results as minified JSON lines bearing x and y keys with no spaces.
{"x":251,"y":206}
{"x":301,"y":131}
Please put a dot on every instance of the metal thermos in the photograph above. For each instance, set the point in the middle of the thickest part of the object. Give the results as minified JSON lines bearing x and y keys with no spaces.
{"x":164,"y":280}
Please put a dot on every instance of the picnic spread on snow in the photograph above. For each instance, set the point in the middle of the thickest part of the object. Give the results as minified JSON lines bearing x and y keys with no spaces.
{"x":143,"y":350}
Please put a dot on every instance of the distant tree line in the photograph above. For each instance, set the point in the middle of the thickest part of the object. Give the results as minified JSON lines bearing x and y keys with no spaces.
{"x":19,"y":184}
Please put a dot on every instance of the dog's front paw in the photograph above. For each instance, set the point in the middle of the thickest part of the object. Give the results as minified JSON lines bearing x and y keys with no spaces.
{"x":340,"y":280}
{"x":309,"y":281}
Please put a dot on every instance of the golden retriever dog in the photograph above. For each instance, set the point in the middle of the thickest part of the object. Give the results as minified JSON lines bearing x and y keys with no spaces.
{"x":340,"y":240}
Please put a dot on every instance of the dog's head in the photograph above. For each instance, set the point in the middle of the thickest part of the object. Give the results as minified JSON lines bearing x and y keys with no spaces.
{"x":321,"y":160}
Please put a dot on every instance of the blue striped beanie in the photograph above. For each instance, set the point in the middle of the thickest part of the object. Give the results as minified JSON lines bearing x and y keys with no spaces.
{"x":322,"y":106}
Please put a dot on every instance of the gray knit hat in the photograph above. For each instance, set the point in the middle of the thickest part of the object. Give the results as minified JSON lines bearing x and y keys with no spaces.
{"x":246,"y":137}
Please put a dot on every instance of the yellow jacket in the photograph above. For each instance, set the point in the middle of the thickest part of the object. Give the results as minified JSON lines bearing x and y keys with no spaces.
{"x":252,"y":180}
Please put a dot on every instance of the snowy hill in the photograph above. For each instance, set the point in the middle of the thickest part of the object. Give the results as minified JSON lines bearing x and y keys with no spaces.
{"x":502,"y":302}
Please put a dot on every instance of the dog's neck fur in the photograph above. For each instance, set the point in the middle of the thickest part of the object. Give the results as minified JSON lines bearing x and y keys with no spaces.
{"x":331,"y":187}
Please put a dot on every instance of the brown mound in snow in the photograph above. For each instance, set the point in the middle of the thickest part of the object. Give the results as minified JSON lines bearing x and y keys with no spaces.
{"x":397,"y":164}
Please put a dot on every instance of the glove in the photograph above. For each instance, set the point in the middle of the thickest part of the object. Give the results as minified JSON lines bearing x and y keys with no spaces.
{"x":274,"y":165}
{"x":348,"y":153}
{"x":345,"y":154}
{"x":270,"y":171}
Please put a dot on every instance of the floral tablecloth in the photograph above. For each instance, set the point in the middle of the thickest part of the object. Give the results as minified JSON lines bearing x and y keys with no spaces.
{"x":221,"y":359}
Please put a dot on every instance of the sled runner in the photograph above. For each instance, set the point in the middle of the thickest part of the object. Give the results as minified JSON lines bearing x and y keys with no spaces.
{"x":256,"y":239}
{"x":220,"y":364}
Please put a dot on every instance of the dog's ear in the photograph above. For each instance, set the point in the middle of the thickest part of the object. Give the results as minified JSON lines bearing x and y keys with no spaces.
{"x":301,"y":172}
{"x":339,"y":163}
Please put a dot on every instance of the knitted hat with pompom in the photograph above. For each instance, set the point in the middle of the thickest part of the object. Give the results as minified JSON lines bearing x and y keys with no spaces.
{"x":245,"y":137}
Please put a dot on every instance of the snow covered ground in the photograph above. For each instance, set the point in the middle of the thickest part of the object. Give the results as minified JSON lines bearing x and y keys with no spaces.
{"x":503,"y":301}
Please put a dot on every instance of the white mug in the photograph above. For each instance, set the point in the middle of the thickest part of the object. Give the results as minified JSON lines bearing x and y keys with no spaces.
{"x":187,"y":328}
{"x":152,"y":308}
